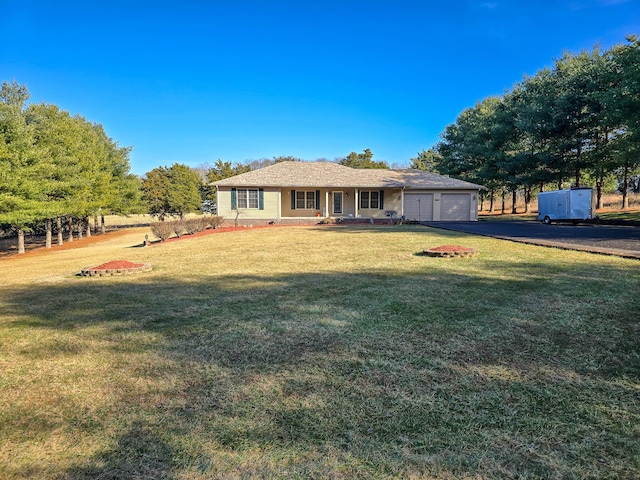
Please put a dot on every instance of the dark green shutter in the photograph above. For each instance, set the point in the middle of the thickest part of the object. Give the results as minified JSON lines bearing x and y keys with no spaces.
{"x":261,"y":199}
{"x":317,"y":199}
{"x":234,"y":199}
{"x":293,"y":199}
{"x":381,"y":199}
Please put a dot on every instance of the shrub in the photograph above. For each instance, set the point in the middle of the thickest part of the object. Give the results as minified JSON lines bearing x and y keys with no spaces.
{"x":162,"y":230}
{"x":204,"y":223}
{"x":194,"y":225}
{"x":215,"y":221}
{"x":179,"y":227}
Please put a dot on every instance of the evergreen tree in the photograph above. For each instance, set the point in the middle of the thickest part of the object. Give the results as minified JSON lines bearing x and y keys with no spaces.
{"x":20,"y":164}
{"x":362,"y":160}
{"x":172,"y":191}
{"x":426,"y":160}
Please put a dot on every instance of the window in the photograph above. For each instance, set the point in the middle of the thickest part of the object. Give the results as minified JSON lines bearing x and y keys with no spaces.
{"x":370,"y":199}
{"x":305,"y":200}
{"x":247,"y":198}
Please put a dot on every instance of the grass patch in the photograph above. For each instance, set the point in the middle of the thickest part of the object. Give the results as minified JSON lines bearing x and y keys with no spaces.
{"x":625,"y":215}
{"x":508,"y":217}
{"x":320,"y":352}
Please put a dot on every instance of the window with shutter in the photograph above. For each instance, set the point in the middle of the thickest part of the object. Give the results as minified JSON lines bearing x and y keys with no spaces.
{"x":370,"y":199}
{"x":245,"y":198}
{"x":305,"y":199}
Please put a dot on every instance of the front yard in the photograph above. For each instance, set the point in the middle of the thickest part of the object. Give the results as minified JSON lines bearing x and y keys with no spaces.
{"x":320,"y":352}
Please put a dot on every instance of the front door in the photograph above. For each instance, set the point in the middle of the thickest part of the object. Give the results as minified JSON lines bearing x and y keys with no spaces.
{"x":337,"y":203}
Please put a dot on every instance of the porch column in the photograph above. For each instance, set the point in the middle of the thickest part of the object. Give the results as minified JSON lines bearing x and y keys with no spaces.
{"x":355,"y":203}
{"x":326,"y":203}
{"x":279,"y":210}
{"x":402,"y":202}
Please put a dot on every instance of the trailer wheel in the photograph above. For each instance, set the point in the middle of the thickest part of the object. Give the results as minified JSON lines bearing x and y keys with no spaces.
{"x":546,"y":220}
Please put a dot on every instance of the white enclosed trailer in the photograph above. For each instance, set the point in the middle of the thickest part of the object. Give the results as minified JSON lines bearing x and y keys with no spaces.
{"x":566,"y":205}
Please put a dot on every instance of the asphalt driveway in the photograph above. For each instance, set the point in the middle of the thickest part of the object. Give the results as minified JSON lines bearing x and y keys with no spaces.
{"x":622,"y":241}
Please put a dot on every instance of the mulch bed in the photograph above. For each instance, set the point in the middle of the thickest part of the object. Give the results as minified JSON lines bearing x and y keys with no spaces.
{"x":115,"y":267}
{"x":35,"y":244}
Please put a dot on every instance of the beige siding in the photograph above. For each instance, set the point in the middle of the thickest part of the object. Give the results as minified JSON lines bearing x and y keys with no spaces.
{"x":271,"y":201}
{"x":287,"y":211}
{"x":277,"y":204}
{"x":392,"y":201}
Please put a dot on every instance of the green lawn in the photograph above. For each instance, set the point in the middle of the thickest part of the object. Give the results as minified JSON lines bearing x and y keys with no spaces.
{"x":320,"y":352}
{"x":633,"y":215}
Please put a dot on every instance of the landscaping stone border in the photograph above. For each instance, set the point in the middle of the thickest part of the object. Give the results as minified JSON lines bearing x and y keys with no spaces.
{"x":450,"y":251}
{"x":116,"y":267}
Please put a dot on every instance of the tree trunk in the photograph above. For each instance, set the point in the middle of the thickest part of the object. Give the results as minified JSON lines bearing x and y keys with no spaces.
{"x":578,"y":171}
{"x":103,"y":228}
{"x":95,"y":223}
{"x":87,"y":221}
{"x":70,"y":224}
{"x":527,"y":199}
{"x":504,"y":206}
{"x":514,"y":200}
{"x":491,"y":205}
{"x":59,"y":227}
{"x":625,"y":189}
{"x":599,"y":186}
{"x":48,"y":227}
{"x":80,"y":228}
{"x":20,"y":241}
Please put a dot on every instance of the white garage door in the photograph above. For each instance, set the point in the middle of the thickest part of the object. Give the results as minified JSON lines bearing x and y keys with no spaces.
{"x":418,"y":206}
{"x":455,"y":207}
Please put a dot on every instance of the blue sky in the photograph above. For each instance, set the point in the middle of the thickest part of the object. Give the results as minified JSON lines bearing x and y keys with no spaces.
{"x":193,"y":81}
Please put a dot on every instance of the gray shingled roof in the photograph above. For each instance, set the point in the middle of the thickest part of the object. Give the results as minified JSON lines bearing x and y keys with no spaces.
{"x":334,"y":175}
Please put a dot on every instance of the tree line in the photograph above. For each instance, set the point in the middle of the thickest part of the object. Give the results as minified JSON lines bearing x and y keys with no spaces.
{"x":58,"y":170}
{"x":575,"y":124}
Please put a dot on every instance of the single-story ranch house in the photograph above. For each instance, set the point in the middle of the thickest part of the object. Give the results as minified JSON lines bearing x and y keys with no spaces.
{"x":302,"y":190}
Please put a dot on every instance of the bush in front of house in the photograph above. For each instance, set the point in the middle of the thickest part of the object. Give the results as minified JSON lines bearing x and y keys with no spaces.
{"x":179,"y":227}
{"x":215,"y":221}
{"x":189,"y":226}
{"x":162,"y":230}
{"x":194,"y":225}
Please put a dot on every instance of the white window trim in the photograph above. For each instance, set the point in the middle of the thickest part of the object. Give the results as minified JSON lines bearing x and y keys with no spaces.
{"x":307,"y":198}
{"x":367,"y":205}
{"x":242,"y":194}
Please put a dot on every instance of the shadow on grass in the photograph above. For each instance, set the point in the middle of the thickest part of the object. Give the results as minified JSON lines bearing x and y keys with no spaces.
{"x":138,"y":453}
{"x":320,"y":375}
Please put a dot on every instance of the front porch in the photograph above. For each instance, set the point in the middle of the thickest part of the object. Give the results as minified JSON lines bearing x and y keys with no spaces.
{"x":348,"y":203}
